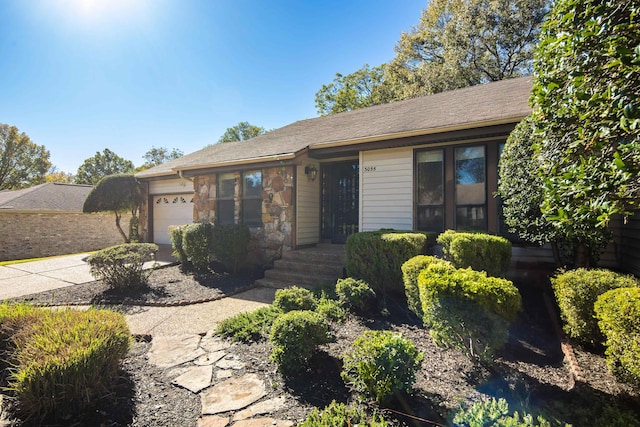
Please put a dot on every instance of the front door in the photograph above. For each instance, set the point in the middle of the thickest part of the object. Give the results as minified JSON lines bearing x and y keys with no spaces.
{"x":340,"y":200}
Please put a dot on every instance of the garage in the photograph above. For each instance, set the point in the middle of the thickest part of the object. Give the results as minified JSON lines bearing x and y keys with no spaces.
{"x":168,"y":210}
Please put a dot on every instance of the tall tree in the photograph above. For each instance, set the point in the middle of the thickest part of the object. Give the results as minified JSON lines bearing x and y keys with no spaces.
{"x":56,"y":175}
{"x":462,"y":43}
{"x":241,"y":132}
{"x":102,"y":164}
{"x":157,"y":156}
{"x":117,"y":193}
{"x":586,"y":100}
{"x":360,"y":89}
{"x":22,"y":163}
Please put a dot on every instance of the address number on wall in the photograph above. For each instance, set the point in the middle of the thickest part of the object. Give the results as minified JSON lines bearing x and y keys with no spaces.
{"x":369,"y":168}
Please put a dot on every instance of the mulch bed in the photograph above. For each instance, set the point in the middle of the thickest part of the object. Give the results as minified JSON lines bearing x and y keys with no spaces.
{"x":529,"y":372}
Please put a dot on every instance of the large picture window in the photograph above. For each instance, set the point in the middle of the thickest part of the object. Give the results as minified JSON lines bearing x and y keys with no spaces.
{"x":430,"y":190}
{"x":252,"y":198}
{"x":226,"y":204}
{"x":471,"y":189}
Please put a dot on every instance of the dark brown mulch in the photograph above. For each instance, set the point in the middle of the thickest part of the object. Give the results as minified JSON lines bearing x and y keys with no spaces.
{"x":167,"y":286}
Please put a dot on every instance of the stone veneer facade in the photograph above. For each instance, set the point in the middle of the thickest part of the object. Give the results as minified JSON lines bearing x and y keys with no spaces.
{"x":276,"y":233}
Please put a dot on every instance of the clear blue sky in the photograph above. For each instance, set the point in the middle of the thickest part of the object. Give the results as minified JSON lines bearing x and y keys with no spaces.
{"x":79,"y":76}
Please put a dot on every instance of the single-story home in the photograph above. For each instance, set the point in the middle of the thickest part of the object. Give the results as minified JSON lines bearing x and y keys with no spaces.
{"x":428,"y":163}
{"x":47,"y":219}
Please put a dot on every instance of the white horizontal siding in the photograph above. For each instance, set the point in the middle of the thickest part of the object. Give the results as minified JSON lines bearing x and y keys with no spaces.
{"x":386,"y":189}
{"x":170,"y":186}
{"x":307,"y":207}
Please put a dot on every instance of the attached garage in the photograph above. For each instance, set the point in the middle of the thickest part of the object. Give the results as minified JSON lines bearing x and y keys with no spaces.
{"x":171,"y":204}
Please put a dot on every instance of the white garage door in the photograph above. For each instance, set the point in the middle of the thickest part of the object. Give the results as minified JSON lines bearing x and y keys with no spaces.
{"x":174,"y":209}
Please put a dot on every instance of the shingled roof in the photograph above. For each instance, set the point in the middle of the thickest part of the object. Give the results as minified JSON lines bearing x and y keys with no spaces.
{"x":46,"y":197}
{"x":500,"y":102}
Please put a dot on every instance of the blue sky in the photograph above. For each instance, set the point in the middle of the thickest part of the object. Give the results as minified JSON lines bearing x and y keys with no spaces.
{"x":79,"y":76}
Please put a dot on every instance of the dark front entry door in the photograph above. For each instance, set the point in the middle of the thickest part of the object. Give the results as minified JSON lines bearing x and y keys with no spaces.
{"x":340,"y":199}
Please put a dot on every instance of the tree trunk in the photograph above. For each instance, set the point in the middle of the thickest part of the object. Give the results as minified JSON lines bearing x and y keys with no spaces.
{"x":556,"y":254}
{"x":124,"y":236}
{"x":581,"y":256}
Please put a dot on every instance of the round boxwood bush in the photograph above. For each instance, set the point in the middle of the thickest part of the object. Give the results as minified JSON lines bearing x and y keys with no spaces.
{"x":356,"y":295}
{"x":577,"y":291}
{"x":410,"y":271}
{"x":295,"y":298}
{"x":295,"y":337}
{"x":618,"y":312}
{"x":381,"y":365}
{"x":122,"y":266}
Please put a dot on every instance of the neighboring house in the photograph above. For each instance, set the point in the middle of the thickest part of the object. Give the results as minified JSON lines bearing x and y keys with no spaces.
{"x":47,"y":220}
{"x":427,"y":163}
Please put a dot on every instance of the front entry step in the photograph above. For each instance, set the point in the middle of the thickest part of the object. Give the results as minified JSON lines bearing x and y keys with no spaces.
{"x":308,"y":268}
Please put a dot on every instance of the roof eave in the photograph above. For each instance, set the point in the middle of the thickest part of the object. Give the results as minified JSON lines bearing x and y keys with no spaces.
{"x":421,"y":132}
{"x":247,"y":161}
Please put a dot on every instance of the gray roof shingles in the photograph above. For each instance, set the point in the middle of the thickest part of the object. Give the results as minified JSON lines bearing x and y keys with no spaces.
{"x":46,"y":197}
{"x":505,"y":101}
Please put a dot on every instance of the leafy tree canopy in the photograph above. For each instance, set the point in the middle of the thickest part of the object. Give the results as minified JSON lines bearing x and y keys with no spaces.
{"x":460,"y":43}
{"x":55,"y":175}
{"x":157,"y":156}
{"x":241,"y":132}
{"x":102,"y":164}
{"x":587,"y":114}
{"x":22,"y":163}
{"x":360,"y":89}
{"x":117,"y":193}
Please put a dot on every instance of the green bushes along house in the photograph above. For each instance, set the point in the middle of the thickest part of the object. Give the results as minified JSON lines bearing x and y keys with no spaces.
{"x":480,"y":251}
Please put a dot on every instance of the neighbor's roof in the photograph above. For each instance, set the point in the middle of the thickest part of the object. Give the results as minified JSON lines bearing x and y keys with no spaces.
{"x":500,"y":102}
{"x":46,"y":197}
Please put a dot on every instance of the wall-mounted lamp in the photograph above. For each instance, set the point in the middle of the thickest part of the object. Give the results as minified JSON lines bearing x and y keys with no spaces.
{"x":311,"y":171}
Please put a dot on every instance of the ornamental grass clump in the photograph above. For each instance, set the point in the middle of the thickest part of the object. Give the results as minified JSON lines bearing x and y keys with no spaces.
{"x":576,"y":292}
{"x":251,"y":326}
{"x":122,"y":266}
{"x":618,"y":314}
{"x":62,"y":361}
{"x":466,"y":310}
{"x":381,"y":365}
{"x":295,"y":337}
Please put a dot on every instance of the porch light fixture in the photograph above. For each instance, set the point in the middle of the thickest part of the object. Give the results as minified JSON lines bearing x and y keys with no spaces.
{"x":311,"y":171}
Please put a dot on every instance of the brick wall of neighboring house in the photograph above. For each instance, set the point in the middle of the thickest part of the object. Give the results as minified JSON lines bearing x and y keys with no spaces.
{"x":33,"y":235}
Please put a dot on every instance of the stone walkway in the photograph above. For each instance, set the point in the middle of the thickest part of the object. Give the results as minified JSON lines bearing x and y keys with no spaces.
{"x":204,"y":366}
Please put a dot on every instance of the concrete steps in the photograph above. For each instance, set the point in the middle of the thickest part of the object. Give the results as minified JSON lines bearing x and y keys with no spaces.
{"x":308,"y":268}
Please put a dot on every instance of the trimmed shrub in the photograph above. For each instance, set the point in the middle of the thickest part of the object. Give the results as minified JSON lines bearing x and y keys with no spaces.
{"x":356,"y":295}
{"x":377,"y":256}
{"x":62,"y":360}
{"x":122,"y":265}
{"x":381,"y":365}
{"x":176,"y":234}
{"x":480,"y":251}
{"x":618,"y":312}
{"x":341,"y":415}
{"x":492,"y":412}
{"x":410,"y":271}
{"x":230,"y":245}
{"x":295,"y":337}
{"x":576,"y":292}
{"x":295,"y":298}
{"x":467,"y":310}
{"x":196,"y":243}
{"x":249,"y":327}
{"x":331,"y":309}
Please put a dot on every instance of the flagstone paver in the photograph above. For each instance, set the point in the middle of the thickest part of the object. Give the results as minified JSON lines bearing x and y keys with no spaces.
{"x":195,"y":378}
{"x":263,"y":422}
{"x":213,"y":421}
{"x":232,"y":394}
{"x":265,"y":407}
{"x":168,"y":351}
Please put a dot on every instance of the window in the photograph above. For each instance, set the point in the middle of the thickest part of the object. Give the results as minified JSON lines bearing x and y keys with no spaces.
{"x":430,"y":190}
{"x":226,"y":203}
{"x":252,"y":198}
{"x":471,"y":191}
